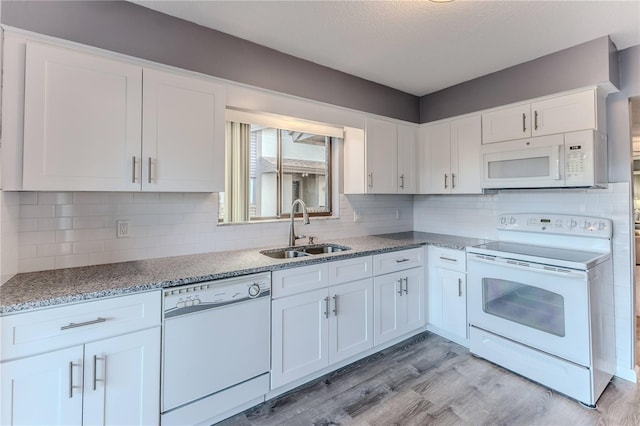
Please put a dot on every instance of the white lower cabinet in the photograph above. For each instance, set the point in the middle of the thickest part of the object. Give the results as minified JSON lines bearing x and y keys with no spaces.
{"x":448,"y":293}
{"x":43,"y":389}
{"x":107,"y":380}
{"x":399,"y":304}
{"x":315,"y":329}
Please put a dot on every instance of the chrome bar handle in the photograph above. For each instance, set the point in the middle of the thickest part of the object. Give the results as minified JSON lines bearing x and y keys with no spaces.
{"x":459,"y":287}
{"x":71,"y":365}
{"x":445,"y":181}
{"x":326,"y":307}
{"x":95,"y":370}
{"x":133,"y":170}
{"x":70,"y":379}
{"x":82,"y":324}
{"x":524,"y":122}
{"x":400,"y":282}
{"x":370,"y":180}
{"x":149,"y":170}
{"x":402,"y":181}
{"x":402,"y":260}
{"x":453,"y":181}
{"x":406,"y":285}
{"x":335,"y":304}
{"x":535,"y":120}
{"x":448,"y":258}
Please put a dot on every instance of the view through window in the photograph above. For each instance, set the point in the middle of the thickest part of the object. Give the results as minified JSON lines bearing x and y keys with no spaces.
{"x":267,"y":168}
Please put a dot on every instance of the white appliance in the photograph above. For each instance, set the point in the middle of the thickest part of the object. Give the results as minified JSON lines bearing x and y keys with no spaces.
{"x":216,"y":349}
{"x":540,"y":301}
{"x":576,"y":159}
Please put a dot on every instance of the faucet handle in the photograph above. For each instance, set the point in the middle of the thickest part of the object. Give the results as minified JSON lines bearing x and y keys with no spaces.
{"x":311,"y":238}
{"x":299,"y":237}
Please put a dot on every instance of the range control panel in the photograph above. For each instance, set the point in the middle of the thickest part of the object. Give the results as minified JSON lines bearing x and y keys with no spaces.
{"x":556,"y":224}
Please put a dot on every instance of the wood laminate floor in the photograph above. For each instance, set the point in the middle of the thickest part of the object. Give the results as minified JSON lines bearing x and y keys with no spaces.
{"x":428,"y":380}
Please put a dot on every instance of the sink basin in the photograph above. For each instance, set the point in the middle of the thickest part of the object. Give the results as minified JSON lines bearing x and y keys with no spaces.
{"x":284,"y":253}
{"x":323,"y":248}
{"x":300,"y":251}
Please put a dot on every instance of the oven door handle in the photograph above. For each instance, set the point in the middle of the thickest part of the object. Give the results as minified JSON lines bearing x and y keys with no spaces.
{"x":528,"y":266}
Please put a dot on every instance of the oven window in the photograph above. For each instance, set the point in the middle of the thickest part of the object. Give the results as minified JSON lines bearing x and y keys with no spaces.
{"x":519,"y":168}
{"x":527,"y":305}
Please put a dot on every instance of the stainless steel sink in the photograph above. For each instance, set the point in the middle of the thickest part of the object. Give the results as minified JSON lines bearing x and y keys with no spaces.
{"x":284,"y":253}
{"x":300,"y":251}
{"x":323,"y":248}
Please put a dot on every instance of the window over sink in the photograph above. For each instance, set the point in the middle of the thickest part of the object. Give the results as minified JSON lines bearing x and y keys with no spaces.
{"x":272,"y":161}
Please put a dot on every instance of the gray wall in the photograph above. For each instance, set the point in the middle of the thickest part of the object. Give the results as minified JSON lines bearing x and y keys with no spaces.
{"x":134,"y":30}
{"x":582,"y":65}
{"x":618,"y":120}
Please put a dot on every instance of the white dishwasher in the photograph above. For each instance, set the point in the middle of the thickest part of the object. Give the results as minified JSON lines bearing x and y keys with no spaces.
{"x":216,"y":348}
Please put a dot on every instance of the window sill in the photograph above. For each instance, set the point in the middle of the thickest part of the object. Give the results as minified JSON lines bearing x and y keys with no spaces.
{"x":259,"y":222}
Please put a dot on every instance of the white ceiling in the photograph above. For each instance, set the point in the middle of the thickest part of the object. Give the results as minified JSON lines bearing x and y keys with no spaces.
{"x":418,"y":47}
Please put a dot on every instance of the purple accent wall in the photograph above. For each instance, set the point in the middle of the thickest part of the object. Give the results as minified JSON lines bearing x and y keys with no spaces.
{"x":131,"y":29}
{"x":578,"y":66}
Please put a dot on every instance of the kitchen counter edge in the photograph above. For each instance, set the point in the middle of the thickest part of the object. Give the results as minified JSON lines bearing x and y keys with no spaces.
{"x":36,"y":290}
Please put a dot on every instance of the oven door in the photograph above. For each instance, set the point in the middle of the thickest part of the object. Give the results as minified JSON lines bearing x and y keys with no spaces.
{"x":526,"y":163}
{"x":531,"y":304}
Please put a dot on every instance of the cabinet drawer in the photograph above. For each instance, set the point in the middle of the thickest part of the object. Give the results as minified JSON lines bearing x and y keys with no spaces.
{"x":452,"y":259}
{"x":398,"y":260}
{"x":299,"y":280}
{"x":44,"y":330}
{"x":343,"y":271}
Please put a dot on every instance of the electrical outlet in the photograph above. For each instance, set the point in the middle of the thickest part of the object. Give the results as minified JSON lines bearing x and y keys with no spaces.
{"x":397,"y":214}
{"x":358,"y":216}
{"x":123,"y":228}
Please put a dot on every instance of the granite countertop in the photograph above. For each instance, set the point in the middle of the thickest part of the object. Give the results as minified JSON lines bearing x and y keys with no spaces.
{"x":48,"y":288}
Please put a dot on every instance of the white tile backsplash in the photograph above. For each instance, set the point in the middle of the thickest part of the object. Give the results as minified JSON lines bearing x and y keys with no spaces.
{"x":64,"y":229}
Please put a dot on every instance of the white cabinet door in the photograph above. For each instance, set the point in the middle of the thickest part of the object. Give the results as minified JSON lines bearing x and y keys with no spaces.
{"x":448,"y":302}
{"x":82,"y":121}
{"x":183,"y":133}
{"x":43,"y":389}
{"x":387,"y":318}
{"x":381,"y":156}
{"x":299,"y":336}
{"x":466,"y":162}
{"x":122,"y":381}
{"x":438,"y":143}
{"x":413,"y":299}
{"x":350,"y":319}
{"x":406,"y":159}
{"x":564,"y":114}
{"x":507,"y":124}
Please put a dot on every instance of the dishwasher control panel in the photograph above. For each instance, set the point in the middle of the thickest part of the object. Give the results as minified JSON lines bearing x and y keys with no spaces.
{"x":212,"y":294}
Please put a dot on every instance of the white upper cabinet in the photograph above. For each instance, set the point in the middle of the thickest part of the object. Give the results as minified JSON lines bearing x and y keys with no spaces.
{"x":507,"y":124}
{"x":564,"y":114}
{"x":560,"y":114}
{"x":380,"y":160}
{"x":82,"y":121}
{"x":183,"y":117}
{"x":449,"y":154}
{"x":406,"y":159}
{"x":93,"y":123}
{"x":381,"y":156}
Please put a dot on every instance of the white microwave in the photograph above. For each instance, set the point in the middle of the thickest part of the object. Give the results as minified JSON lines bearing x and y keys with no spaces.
{"x":567,"y":160}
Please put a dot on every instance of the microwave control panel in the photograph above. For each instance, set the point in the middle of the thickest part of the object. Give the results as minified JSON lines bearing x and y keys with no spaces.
{"x":579,"y":155}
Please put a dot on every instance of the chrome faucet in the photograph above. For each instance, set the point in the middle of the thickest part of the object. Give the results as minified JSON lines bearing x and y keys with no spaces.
{"x":305,"y":219}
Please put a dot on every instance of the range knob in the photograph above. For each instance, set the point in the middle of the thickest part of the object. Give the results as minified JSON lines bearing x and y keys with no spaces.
{"x":254,"y":290}
{"x":503,"y":220}
{"x":512,"y":220}
{"x":601,"y":226}
{"x":572,"y":223}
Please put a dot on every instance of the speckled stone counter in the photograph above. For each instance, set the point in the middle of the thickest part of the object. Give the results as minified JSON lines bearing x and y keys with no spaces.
{"x":48,"y":288}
